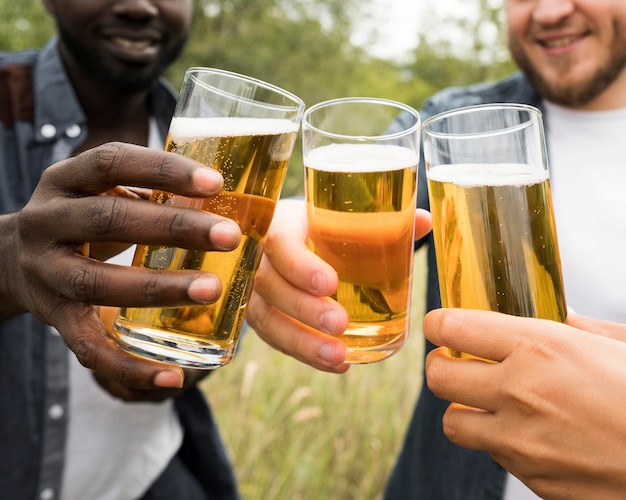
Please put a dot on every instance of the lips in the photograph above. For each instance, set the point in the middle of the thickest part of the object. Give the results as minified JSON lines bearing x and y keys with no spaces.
{"x":557,"y":43}
{"x":138,"y":47}
{"x":129,"y":44}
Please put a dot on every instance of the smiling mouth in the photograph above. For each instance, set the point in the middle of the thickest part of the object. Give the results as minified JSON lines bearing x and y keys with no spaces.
{"x":559,"y":42}
{"x":127,"y":43}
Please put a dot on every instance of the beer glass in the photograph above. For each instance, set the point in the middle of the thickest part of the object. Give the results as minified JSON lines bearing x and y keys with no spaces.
{"x":246,"y":129}
{"x":493,"y":224}
{"x":360,"y":189}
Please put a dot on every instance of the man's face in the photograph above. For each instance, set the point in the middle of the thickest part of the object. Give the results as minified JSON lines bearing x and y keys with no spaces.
{"x":124,"y":44}
{"x":573,"y":51}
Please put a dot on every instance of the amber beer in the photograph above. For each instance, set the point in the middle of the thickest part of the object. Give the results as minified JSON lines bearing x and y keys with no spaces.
{"x":253,"y":155}
{"x":361,"y":208}
{"x":495,"y":239}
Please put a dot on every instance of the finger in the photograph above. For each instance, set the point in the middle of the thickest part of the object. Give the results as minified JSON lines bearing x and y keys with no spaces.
{"x":111,"y":218}
{"x":86,"y":336}
{"x":128,"y":394}
{"x":423,"y":223}
{"x":285,"y":334}
{"x":321,"y":313}
{"x":287,"y":250}
{"x":486,"y":334}
{"x":85,"y":280}
{"x":469,"y":381}
{"x":470,"y":427}
{"x":100,"y":169}
{"x":609,"y":329}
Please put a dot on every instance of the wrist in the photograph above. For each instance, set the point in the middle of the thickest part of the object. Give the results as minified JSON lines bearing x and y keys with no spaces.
{"x":9,"y":268}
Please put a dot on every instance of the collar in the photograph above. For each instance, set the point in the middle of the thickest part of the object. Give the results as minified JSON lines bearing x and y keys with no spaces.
{"x":59,"y":115}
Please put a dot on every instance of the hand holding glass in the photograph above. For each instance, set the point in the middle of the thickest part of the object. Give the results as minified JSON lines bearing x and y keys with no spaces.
{"x":493,"y":223}
{"x":246,"y":129}
{"x":360,"y":186}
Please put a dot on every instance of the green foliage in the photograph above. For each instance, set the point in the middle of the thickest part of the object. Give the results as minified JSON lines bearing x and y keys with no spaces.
{"x":293,"y":432}
{"x":304,"y":46}
{"x":297,"y":433}
{"x":24,"y":24}
{"x":472,"y":50}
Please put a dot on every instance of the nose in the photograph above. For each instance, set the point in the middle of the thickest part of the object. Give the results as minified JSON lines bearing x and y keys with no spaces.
{"x":137,"y":9}
{"x":549,"y":12}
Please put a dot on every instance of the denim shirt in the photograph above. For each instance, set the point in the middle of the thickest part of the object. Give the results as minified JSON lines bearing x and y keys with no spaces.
{"x":429,"y":466}
{"x":41,"y":121}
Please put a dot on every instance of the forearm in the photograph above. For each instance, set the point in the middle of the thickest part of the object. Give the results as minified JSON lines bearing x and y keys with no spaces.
{"x":9,"y":304}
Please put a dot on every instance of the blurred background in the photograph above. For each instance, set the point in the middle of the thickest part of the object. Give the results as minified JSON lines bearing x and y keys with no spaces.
{"x":293,"y":432}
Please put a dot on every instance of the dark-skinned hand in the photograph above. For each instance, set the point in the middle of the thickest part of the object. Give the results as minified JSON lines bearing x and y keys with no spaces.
{"x":46,"y":268}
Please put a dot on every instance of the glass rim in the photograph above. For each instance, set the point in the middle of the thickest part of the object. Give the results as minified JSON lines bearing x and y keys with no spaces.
{"x":534,"y":114}
{"x":372,"y":100}
{"x":193,"y":72}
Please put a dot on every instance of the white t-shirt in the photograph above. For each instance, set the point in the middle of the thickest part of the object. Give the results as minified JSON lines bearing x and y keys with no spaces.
{"x":115,"y":450}
{"x":587,"y":151}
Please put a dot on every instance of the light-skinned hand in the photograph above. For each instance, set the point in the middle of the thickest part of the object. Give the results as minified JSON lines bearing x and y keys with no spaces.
{"x":290,"y":307}
{"x":550,"y":410}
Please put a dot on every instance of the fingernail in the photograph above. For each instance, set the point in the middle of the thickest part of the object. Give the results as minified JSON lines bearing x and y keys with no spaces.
{"x":318,"y":282}
{"x":208,"y":179}
{"x":204,"y":289}
{"x":225,"y":235}
{"x":169,"y":379}
{"x":328,"y":322}
{"x":327,"y":353}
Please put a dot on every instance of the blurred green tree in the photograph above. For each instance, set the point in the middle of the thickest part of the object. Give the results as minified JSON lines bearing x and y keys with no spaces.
{"x":305,"y":47}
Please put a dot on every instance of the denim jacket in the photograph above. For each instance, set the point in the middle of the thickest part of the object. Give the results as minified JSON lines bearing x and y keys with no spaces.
{"x":429,"y":466}
{"x":41,"y":121}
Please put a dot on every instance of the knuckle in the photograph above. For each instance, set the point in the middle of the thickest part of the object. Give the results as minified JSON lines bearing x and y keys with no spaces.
{"x":300,"y":307}
{"x":125,"y":375}
{"x":84,"y":353}
{"x":165,"y":167}
{"x":106,"y":213}
{"x":261,"y":281}
{"x":436,"y":376}
{"x":29,"y":222}
{"x":109,"y":156}
{"x":177,"y":227}
{"x":152,"y":290}
{"x":450,"y":427}
{"x":258,"y":314}
{"x":82,"y":284}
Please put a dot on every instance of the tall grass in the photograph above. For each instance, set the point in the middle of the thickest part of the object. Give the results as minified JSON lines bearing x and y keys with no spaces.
{"x":296,"y":433}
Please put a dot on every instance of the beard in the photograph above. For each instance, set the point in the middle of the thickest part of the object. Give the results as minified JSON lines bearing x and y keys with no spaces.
{"x":128,"y":80}
{"x":583,"y":91}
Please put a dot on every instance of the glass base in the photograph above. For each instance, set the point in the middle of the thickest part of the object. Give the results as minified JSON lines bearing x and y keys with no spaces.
{"x":361,"y":357}
{"x":168,"y":347}
{"x":362,"y":349}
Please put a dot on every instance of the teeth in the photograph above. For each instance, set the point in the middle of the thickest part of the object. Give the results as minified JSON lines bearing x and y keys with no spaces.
{"x":131,"y":44}
{"x":560,"y":42}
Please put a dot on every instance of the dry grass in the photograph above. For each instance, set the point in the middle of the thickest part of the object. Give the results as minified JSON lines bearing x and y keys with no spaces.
{"x":296,"y":433}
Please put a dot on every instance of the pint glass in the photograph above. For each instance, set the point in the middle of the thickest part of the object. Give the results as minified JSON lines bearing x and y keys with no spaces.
{"x":360,"y":189}
{"x":246,"y":129}
{"x":493,"y":223}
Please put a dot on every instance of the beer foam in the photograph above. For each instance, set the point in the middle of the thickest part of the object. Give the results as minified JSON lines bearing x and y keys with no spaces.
{"x":183,"y":129}
{"x":482,"y":174}
{"x":361,"y":158}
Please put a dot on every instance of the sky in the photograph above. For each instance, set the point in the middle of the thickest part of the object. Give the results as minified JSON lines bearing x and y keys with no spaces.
{"x":397,"y":22}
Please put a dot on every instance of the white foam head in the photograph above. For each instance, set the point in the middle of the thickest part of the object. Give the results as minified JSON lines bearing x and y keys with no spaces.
{"x":483,"y":174}
{"x":184,"y":129}
{"x":361,"y":158}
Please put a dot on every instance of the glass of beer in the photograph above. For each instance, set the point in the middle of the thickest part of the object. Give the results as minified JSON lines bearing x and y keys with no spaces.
{"x":360,"y":188}
{"x":246,"y":129}
{"x":493,"y":223}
